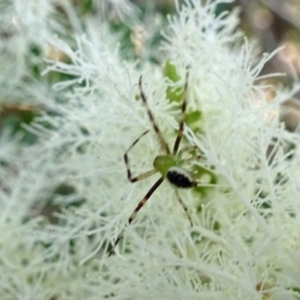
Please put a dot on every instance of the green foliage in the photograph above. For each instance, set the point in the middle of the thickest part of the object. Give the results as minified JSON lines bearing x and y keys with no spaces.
{"x":170,"y":72}
{"x":193,"y":120}
{"x":208,"y":176}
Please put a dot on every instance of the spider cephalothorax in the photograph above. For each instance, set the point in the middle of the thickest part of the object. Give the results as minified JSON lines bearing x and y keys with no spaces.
{"x":169,"y":165}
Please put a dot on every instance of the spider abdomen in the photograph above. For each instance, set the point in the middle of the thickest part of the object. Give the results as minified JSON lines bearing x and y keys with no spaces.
{"x":180,"y":178}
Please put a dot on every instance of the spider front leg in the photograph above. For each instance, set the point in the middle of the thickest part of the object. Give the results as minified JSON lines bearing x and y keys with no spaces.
{"x":127,"y":164}
{"x":190,"y":149}
{"x":183,"y":109}
{"x":133,"y":215}
{"x":162,"y":141}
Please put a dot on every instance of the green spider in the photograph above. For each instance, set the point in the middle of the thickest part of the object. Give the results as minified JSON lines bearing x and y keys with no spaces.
{"x":169,"y":165}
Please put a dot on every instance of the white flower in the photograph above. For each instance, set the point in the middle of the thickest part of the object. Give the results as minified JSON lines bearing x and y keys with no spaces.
{"x":243,"y":244}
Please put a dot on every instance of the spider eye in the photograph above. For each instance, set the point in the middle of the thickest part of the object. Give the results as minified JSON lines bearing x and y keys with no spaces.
{"x":180,"y":178}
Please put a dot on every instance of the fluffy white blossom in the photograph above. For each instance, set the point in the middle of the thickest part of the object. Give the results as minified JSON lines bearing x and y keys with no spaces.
{"x":244,"y":241}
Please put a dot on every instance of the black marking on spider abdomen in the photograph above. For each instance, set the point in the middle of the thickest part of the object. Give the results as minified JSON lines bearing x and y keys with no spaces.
{"x":180,"y":178}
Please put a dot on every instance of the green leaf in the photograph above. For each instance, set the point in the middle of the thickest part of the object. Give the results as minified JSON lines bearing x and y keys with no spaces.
{"x":170,"y":72}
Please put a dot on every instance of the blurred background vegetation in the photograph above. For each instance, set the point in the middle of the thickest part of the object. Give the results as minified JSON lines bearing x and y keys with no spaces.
{"x":272,"y":23}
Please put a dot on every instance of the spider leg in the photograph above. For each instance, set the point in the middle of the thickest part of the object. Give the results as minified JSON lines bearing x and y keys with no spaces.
{"x":183,"y":206}
{"x":139,"y":206}
{"x":187,"y":149}
{"x":126,"y":160}
{"x":183,"y":109}
{"x":163,"y":143}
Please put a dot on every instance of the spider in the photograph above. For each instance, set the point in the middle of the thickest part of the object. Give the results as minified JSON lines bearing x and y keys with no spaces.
{"x":169,"y":165}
